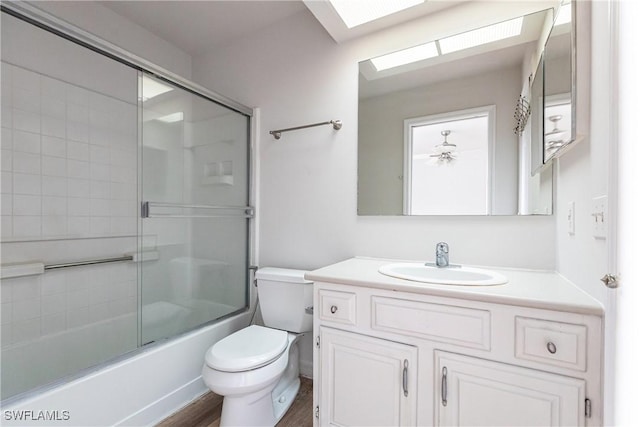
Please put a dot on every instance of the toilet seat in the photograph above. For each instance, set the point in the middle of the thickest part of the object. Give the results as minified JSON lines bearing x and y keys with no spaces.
{"x":249,"y":348}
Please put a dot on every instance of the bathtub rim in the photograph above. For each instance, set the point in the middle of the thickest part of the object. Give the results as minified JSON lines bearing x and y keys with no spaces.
{"x":24,"y":397}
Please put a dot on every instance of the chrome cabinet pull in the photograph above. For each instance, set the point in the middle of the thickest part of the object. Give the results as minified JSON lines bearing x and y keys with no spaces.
{"x":551,"y":347}
{"x":443,"y":389}
{"x":334,"y":309}
{"x":405,"y":378}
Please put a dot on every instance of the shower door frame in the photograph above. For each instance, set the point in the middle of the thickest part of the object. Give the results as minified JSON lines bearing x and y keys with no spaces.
{"x":48,"y":22}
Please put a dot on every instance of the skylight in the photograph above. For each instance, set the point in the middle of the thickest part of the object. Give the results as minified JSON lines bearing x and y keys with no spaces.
{"x":358,"y":12}
{"x":469,"y":39}
{"x":564,"y":15}
{"x":406,"y":56}
{"x":489,"y":34}
{"x":172,"y":118}
{"x":152,"y":88}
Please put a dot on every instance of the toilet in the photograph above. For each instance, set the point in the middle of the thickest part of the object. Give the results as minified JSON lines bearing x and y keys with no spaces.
{"x":256,"y":368}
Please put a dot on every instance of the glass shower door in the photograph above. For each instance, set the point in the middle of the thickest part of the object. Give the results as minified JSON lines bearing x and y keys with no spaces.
{"x":195,"y":193}
{"x":68,"y":199}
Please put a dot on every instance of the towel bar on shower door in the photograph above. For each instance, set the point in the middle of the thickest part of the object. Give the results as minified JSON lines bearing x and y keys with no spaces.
{"x":176,"y":210}
{"x":34,"y":268}
{"x":88,"y":262}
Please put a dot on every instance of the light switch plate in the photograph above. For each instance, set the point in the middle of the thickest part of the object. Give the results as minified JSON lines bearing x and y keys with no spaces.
{"x":571,"y":218}
{"x":599,"y":217}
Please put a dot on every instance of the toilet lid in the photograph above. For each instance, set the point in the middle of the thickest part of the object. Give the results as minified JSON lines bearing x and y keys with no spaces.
{"x":249,"y":348}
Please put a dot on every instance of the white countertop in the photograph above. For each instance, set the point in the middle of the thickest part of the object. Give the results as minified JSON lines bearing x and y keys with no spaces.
{"x":527,"y":288}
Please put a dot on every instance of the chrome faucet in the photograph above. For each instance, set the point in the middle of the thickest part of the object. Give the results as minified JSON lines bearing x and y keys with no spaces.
{"x":442,"y":255}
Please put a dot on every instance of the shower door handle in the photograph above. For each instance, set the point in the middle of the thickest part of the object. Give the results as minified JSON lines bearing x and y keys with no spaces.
{"x":181,"y":210}
{"x":144,"y":210}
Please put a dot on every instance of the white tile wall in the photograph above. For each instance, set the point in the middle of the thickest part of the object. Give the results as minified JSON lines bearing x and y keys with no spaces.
{"x":69,"y":165}
{"x":52,"y":135}
{"x":60,"y":300}
{"x":68,"y":170}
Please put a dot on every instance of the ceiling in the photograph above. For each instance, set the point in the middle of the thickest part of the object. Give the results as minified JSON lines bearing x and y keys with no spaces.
{"x":331,"y":21}
{"x":197,"y":26}
{"x":477,"y":60}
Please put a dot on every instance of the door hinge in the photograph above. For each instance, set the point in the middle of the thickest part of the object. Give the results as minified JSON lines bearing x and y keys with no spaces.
{"x":610,"y":281}
{"x":318,"y":341}
{"x":317,"y":412}
{"x":587,"y":408}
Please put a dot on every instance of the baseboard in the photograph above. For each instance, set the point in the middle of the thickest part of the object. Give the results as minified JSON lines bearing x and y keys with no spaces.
{"x":162,"y":408}
{"x":306,"y":368}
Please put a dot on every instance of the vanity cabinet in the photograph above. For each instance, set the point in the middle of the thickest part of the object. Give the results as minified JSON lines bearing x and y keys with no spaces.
{"x":366,"y":381}
{"x":479,"y":392}
{"x":387,"y":356}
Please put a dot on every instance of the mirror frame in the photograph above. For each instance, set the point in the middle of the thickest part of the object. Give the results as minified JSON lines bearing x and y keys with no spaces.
{"x":573,"y":63}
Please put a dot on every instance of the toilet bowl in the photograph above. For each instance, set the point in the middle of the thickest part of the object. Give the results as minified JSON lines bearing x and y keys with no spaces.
{"x":256,"y":368}
{"x":257,"y":388}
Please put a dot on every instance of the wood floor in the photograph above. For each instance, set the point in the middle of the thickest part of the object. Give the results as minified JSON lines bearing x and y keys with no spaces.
{"x":205,"y":412}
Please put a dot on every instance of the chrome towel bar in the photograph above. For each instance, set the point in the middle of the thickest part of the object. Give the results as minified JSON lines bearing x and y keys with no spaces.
{"x":35,"y":268}
{"x":88,"y":262}
{"x":337,"y":125}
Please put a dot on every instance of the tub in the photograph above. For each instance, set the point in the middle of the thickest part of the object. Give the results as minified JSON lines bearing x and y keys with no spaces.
{"x":141,"y":388}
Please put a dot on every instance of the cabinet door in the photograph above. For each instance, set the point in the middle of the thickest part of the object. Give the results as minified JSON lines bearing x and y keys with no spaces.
{"x":472,"y":391}
{"x":366,"y":381}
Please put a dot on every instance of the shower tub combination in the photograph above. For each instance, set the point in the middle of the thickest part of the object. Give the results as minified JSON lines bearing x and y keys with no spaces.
{"x":126,"y":223}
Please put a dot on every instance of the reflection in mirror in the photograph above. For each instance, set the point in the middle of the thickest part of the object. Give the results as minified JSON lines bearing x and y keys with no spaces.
{"x":535,"y":124}
{"x":559,"y":103}
{"x":447,"y":159}
{"x":536,"y":186}
{"x":405,"y":105}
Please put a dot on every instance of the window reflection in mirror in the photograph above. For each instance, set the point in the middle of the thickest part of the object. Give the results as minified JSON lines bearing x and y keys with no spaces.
{"x":447,"y":163}
{"x":492,"y":73}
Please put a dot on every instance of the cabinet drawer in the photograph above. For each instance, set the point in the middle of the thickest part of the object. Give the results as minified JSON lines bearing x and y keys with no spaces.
{"x":552,"y":343}
{"x":336,"y":306}
{"x":436,"y":322}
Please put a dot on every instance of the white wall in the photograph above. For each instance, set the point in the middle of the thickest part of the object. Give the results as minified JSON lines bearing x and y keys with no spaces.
{"x":583,"y":171}
{"x":297,"y":75}
{"x":626,"y":396}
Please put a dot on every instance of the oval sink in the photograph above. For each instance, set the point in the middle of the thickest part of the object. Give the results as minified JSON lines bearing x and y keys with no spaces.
{"x":466,"y":276}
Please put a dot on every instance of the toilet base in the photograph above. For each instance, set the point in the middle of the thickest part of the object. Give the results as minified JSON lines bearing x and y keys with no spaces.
{"x":258,"y":410}
{"x":282,"y":402}
{"x":268,"y":405}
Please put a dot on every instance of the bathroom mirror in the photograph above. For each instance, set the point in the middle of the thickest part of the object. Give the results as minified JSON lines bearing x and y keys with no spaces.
{"x":436,"y":135}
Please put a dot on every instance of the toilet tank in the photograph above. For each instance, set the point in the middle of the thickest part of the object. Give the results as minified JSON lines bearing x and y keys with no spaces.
{"x":284,"y":294}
